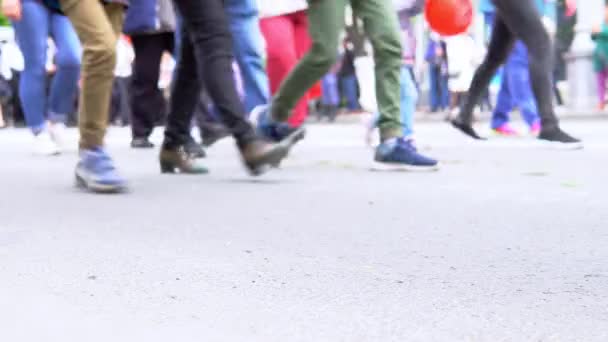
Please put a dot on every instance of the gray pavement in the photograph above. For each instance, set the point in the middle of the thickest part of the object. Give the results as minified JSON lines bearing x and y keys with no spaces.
{"x":508,"y":242}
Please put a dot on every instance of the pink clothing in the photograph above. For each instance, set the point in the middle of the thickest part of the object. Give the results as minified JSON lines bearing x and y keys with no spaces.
{"x":287,"y":41}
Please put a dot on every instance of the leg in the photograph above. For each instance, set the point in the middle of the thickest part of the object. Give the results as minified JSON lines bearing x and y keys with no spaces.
{"x":120,"y":106}
{"x":65,"y":83}
{"x":519,"y":78}
{"x":331,"y":95}
{"x":207,"y":28}
{"x":32,"y":33}
{"x":523,"y":21}
{"x":302,"y":41}
{"x":558,"y":95}
{"x":601,"y":88}
{"x":434,"y":90}
{"x":504,"y":103}
{"x":146,"y":99}
{"x":501,"y":44}
{"x":326,"y":19}
{"x":409,"y":98}
{"x":280,"y":48}
{"x":248,"y":46}
{"x":349,"y":89}
{"x":382,"y":27}
{"x":185,"y":95}
{"x":97,"y":28}
{"x":445,"y":92}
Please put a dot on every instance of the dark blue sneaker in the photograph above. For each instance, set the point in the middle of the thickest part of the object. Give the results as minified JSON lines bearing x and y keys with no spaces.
{"x":96,"y":172}
{"x":274,"y":131}
{"x":401,"y":155}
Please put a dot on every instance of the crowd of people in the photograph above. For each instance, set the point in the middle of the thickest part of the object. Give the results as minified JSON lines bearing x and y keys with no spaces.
{"x":250,"y":68}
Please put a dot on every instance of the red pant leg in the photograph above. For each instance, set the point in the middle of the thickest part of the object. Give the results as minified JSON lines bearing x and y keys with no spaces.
{"x":303,"y":42}
{"x":283,"y":36}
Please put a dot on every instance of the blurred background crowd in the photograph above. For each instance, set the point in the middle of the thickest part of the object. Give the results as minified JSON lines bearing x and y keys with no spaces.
{"x":269,"y":38}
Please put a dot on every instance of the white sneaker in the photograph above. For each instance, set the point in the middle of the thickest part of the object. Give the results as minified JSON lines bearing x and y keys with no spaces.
{"x":44,"y":145}
{"x":57,"y":132}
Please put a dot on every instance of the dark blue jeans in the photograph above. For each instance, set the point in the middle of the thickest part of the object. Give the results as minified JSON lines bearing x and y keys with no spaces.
{"x":515,"y":92}
{"x":36,"y":25}
{"x":439,"y":93}
{"x":348,"y":87}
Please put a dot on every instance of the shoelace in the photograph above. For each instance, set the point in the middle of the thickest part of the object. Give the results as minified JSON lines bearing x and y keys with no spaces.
{"x":406,"y":145}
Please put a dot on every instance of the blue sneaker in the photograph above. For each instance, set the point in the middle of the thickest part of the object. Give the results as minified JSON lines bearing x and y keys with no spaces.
{"x":274,"y":131}
{"x":96,"y":172}
{"x":401,"y":155}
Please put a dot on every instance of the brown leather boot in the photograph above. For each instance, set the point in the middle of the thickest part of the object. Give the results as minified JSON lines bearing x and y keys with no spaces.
{"x":178,"y":160}
{"x":259,"y":156}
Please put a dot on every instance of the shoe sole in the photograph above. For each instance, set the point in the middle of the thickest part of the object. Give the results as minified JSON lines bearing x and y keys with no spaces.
{"x":82,"y":183}
{"x":280,"y":152}
{"x":386,"y":167}
{"x":142,"y":147}
{"x":556,"y":145}
{"x":295,"y":137}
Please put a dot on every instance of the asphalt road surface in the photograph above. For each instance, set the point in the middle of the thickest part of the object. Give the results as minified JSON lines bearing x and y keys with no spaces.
{"x":507,"y":242}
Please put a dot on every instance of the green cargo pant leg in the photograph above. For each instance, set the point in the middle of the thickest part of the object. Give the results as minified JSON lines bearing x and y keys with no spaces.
{"x":382,"y":27}
{"x":325,"y":22}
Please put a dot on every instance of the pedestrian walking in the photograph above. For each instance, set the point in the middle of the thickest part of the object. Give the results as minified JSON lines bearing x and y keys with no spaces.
{"x":518,"y":20}
{"x":285,"y":28}
{"x":45,"y":113}
{"x":326,"y":18}
{"x":206,"y":56}
{"x":151,"y":26}
{"x":406,"y":10}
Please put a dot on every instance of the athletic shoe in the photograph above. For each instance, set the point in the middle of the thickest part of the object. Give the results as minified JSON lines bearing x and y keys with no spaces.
{"x":558,"y":138}
{"x":505,"y":130}
{"x":141,"y":143}
{"x":535,"y":129}
{"x":44,"y":144}
{"x":271,"y":130}
{"x":96,"y":172}
{"x":57,"y":131}
{"x":401,"y":154}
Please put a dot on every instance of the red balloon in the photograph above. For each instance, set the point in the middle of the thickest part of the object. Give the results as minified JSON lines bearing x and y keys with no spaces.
{"x":449,"y":17}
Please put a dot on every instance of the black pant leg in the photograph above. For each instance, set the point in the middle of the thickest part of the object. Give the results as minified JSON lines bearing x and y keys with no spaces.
{"x":501,"y":44}
{"x":207,"y":28}
{"x":147,"y":101}
{"x":524,"y":21}
{"x":185,"y":94}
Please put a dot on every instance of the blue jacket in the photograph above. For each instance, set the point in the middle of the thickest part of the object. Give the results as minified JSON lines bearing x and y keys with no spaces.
{"x":149,"y":16}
